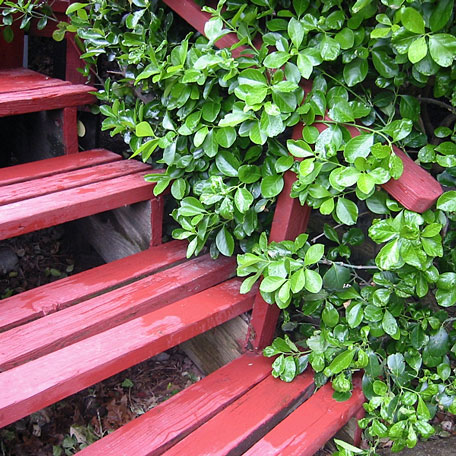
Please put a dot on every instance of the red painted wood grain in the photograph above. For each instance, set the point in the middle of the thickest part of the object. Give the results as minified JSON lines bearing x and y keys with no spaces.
{"x":56,"y":97}
{"x":48,"y":210}
{"x":51,"y":166}
{"x":41,"y":382}
{"x":54,"y":296}
{"x":87,"y":318}
{"x":242,"y":423}
{"x":69,"y":119}
{"x":159,"y":428}
{"x":192,"y":14}
{"x":416,"y":189}
{"x":67,"y":180}
{"x":14,"y":80}
{"x":311,"y":425}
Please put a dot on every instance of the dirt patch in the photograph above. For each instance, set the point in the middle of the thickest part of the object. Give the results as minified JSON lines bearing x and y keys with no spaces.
{"x":73,"y":423}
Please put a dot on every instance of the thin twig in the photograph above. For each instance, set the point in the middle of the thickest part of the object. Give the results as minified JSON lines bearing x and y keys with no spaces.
{"x":442,"y":104}
{"x":347,"y":265}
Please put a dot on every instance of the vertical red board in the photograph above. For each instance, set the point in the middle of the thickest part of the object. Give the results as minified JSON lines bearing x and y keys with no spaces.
{"x":11,"y":54}
{"x":290,"y":220}
{"x":70,"y":130}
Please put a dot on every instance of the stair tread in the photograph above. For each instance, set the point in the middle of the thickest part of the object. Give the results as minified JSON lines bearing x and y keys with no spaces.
{"x":97,"y":314}
{"x":240,"y":424}
{"x":52,"y":209}
{"x":23,"y":91}
{"x":50,"y":166}
{"x":67,"y":180}
{"x":311,"y":425}
{"x":169,"y":421}
{"x":20,"y":79}
{"x":29,"y":387}
{"x":43,"y":300}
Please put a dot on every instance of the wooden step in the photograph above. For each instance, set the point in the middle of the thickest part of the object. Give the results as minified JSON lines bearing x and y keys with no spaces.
{"x":23,"y":91}
{"x":32,"y":304}
{"x":86,"y":186}
{"x":239,"y":409}
{"x":95,"y":315}
{"x":158,"y":429}
{"x":51,"y":166}
{"x":309,"y":427}
{"x":43,"y":381}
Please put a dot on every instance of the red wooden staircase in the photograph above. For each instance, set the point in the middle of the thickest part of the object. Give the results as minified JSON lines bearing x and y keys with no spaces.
{"x":65,"y":336}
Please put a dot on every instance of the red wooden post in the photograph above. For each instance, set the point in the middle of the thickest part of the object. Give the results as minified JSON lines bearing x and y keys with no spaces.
{"x":70,"y":130}
{"x":11,"y":54}
{"x":290,"y":219}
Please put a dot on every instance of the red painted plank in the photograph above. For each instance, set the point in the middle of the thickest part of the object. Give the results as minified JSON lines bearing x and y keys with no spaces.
{"x":245,"y":421}
{"x":30,"y":387}
{"x":51,"y":166}
{"x":71,"y":179}
{"x":56,"y":97}
{"x":49,"y":210}
{"x":49,"y":298}
{"x":172,"y":420}
{"x":310,"y":426}
{"x":192,"y":14}
{"x":69,"y":119}
{"x":90,"y":317}
{"x":416,"y":189}
{"x":20,"y":79}
{"x":290,"y":220}
{"x":11,"y":53}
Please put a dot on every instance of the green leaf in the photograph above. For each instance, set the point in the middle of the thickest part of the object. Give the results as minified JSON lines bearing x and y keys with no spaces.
{"x":243,"y":199}
{"x":412,"y":20}
{"x":336,"y":277}
{"x":366,"y":183}
{"x":305,"y":65}
{"x":225,"y":242}
{"x":418,"y":50}
{"x":447,"y":201}
{"x":276,"y":59}
{"x":178,"y":188}
{"x":359,"y":146}
{"x":422,"y":411}
{"x":314,"y":281}
{"x":289,"y":370}
{"x":234,"y":118}
{"x":298,"y":280}
{"x":346,"y":211}
{"x":210,"y":111}
{"x":441,"y":14}
{"x":355,"y":72}
{"x":227,"y":163}
{"x":144,"y":129}
{"x":271,"y":186}
{"x":271,"y":283}
{"x":396,"y":364}
{"x":314,"y":254}
{"x":249,"y":174}
{"x":389,"y":324}
{"x":252,"y":78}
{"x":330,"y":316}
{"x":295,"y":32}
{"x":354,"y":315}
{"x":442,"y":48}
{"x":329,"y":48}
{"x":299,"y":148}
{"x":190,"y":206}
{"x":389,"y":256}
{"x":225,"y":136}
{"x":346,"y":38}
{"x":341,"y":362}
